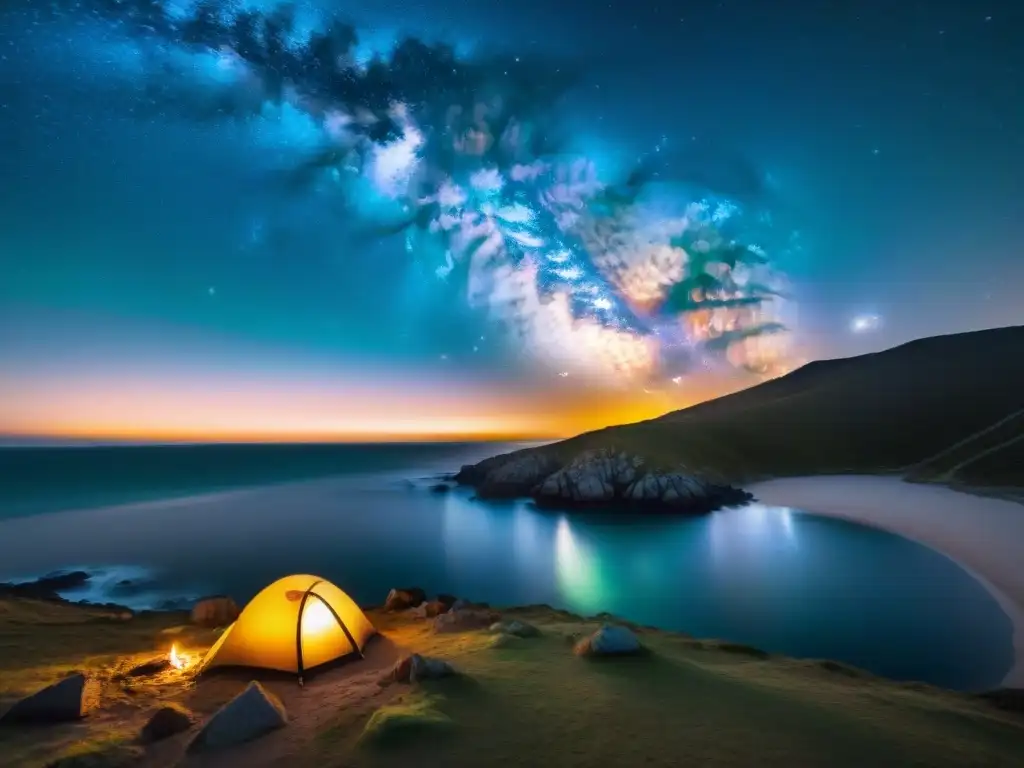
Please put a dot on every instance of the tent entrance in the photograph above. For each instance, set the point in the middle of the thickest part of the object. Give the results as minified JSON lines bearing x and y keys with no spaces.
{"x":317,"y":625}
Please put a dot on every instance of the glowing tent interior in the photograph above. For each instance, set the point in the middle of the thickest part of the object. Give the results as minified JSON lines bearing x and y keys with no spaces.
{"x":295,"y":624}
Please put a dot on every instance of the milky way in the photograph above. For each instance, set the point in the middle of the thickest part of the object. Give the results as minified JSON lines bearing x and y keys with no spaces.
{"x":639,"y":279}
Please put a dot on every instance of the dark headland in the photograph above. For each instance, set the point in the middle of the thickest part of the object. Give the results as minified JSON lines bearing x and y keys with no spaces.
{"x":946,"y":409}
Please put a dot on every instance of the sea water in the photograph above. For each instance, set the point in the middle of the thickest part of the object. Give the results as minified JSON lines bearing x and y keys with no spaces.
{"x":164,"y":525}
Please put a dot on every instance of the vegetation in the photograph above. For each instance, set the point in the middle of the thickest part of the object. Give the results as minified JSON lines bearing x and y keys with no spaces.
{"x":531,"y":702}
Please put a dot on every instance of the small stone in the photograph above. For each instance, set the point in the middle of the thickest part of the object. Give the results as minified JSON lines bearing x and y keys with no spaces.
{"x":166,"y":722}
{"x":401,"y":599}
{"x":69,"y":699}
{"x":609,"y":640}
{"x":217,"y":611}
{"x":413,"y":668}
{"x":251,"y":714}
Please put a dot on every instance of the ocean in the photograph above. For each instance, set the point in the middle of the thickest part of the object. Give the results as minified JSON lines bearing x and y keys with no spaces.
{"x":162,"y":525}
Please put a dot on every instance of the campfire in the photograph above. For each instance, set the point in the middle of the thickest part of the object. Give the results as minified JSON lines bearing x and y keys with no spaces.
{"x":178,"y":660}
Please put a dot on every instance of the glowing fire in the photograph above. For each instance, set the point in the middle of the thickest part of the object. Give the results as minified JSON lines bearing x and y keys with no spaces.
{"x":178,"y":661}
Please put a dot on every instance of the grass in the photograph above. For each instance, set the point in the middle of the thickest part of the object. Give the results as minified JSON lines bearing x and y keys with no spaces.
{"x":532,"y":702}
{"x":404,"y":720}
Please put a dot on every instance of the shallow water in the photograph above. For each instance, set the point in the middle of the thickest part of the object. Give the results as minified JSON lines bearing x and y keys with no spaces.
{"x":772,"y":577}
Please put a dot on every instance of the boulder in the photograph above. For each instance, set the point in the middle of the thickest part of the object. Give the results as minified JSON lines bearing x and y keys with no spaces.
{"x":413,"y":668}
{"x":216,"y":611}
{"x":402,"y":599}
{"x":440,"y":488}
{"x":251,"y":714}
{"x":609,"y":640}
{"x":69,"y":699}
{"x":167,"y":721}
{"x":516,"y":628}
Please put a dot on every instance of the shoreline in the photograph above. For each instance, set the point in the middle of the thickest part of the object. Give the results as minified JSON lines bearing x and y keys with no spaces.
{"x":981,"y":534}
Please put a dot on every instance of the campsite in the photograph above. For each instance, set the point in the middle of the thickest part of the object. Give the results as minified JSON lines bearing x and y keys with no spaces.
{"x":301,"y":675}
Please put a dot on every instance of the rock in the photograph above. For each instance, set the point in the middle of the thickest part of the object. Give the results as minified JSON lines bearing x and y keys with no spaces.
{"x":508,"y":476}
{"x":464,"y":620}
{"x":69,"y":699}
{"x":440,"y":488}
{"x":217,"y":611}
{"x":413,"y":668}
{"x":251,"y":714}
{"x":609,"y":640}
{"x":460,"y":604}
{"x":401,"y":599}
{"x":516,"y":628}
{"x":434,"y":608}
{"x":604,"y":478}
{"x":447,"y":600}
{"x":167,"y":721}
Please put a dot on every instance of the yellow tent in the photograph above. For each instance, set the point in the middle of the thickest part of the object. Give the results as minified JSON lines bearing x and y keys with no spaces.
{"x":295,"y":624}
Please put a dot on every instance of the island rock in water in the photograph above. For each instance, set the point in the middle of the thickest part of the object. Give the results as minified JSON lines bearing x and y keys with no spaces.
{"x":597,"y":479}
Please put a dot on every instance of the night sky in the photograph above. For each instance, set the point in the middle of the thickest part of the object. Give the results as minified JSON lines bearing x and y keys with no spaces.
{"x":578,"y":214}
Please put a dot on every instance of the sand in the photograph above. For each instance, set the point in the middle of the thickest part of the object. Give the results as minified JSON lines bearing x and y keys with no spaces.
{"x":984,"y":536}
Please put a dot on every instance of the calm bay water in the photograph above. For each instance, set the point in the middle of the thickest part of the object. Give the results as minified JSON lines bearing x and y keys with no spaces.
{"x":773,"y":577}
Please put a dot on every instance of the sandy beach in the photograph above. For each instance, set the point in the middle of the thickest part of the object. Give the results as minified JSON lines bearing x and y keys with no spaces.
{"x":985,"y":536}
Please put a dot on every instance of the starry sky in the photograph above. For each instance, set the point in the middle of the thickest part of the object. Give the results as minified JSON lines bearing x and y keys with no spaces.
{"x":528,"y":219}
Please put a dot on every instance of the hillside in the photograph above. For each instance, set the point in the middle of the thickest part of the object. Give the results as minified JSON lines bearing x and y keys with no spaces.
{"x":514,"y":701}
{"x":945,"y":409}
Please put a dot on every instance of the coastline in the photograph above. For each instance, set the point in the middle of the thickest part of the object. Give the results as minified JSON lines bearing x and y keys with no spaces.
{"x":981,"y":534}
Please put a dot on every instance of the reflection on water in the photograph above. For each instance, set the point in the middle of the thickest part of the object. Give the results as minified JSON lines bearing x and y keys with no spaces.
{"x":768,"y":576}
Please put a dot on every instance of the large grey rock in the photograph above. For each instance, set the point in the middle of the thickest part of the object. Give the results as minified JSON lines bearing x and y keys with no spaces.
{"x":217,"y":611}
{"x":69,"y":699}
{"x":166,"y":722}
{"x":251,"y":714}
{"x":609,"y":640}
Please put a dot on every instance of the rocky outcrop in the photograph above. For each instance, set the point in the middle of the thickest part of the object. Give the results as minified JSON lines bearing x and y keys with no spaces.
{"x":508,"y":476}
{"x":599,"y":479}
{"x":47,"y":587}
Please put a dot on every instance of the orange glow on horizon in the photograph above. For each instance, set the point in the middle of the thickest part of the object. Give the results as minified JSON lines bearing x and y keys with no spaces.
{"x":202,"y":410}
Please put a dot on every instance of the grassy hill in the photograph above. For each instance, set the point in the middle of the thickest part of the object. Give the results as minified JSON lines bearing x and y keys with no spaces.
{"x":947,"y":409}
